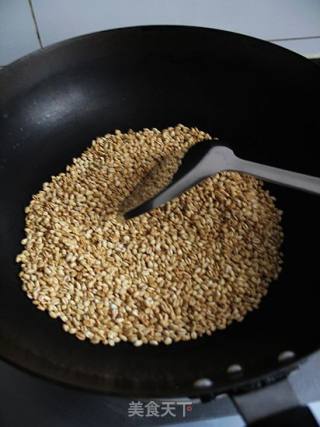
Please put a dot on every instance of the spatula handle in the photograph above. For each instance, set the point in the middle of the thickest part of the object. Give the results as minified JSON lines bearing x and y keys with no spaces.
{"x":296,"y":180}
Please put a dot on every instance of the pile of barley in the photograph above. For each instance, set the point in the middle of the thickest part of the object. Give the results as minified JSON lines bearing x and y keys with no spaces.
{"x":183,"y":270}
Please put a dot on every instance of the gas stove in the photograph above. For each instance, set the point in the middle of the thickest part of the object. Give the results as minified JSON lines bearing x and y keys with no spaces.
{"x":32,"y":401}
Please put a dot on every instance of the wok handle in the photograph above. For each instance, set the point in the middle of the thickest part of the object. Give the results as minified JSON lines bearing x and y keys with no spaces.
{"x":296,"y":180}
{"x":274,"y":405}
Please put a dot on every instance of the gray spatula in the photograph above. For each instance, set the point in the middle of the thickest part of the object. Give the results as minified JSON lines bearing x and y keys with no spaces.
{"x":201,"y":161}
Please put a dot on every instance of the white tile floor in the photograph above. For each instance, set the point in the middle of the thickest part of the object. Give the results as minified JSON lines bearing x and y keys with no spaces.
{"x":295,"y":20}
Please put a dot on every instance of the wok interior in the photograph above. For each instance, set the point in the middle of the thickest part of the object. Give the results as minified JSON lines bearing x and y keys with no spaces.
{"x":256,"y":95}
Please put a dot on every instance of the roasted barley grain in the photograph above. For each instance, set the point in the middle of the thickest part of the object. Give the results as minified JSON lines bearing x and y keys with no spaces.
{"x":183,"y":270}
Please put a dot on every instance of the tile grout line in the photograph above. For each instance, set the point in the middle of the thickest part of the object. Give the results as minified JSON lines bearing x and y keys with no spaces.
{"x":35,"y":23}
{"x":294,"y":38}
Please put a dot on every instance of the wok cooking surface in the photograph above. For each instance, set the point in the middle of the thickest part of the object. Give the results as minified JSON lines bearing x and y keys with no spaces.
{"x":257,"y":95}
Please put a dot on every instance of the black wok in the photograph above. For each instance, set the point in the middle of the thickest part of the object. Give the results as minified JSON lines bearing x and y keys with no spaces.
{"x":257,"y":95}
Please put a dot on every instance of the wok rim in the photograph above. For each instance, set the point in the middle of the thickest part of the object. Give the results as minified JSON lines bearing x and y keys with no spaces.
{"x":68,"y":41}
{"x":33,"y":364}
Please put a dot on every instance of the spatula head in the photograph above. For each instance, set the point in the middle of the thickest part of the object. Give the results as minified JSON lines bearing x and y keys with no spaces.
{"x":172,"y":176}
